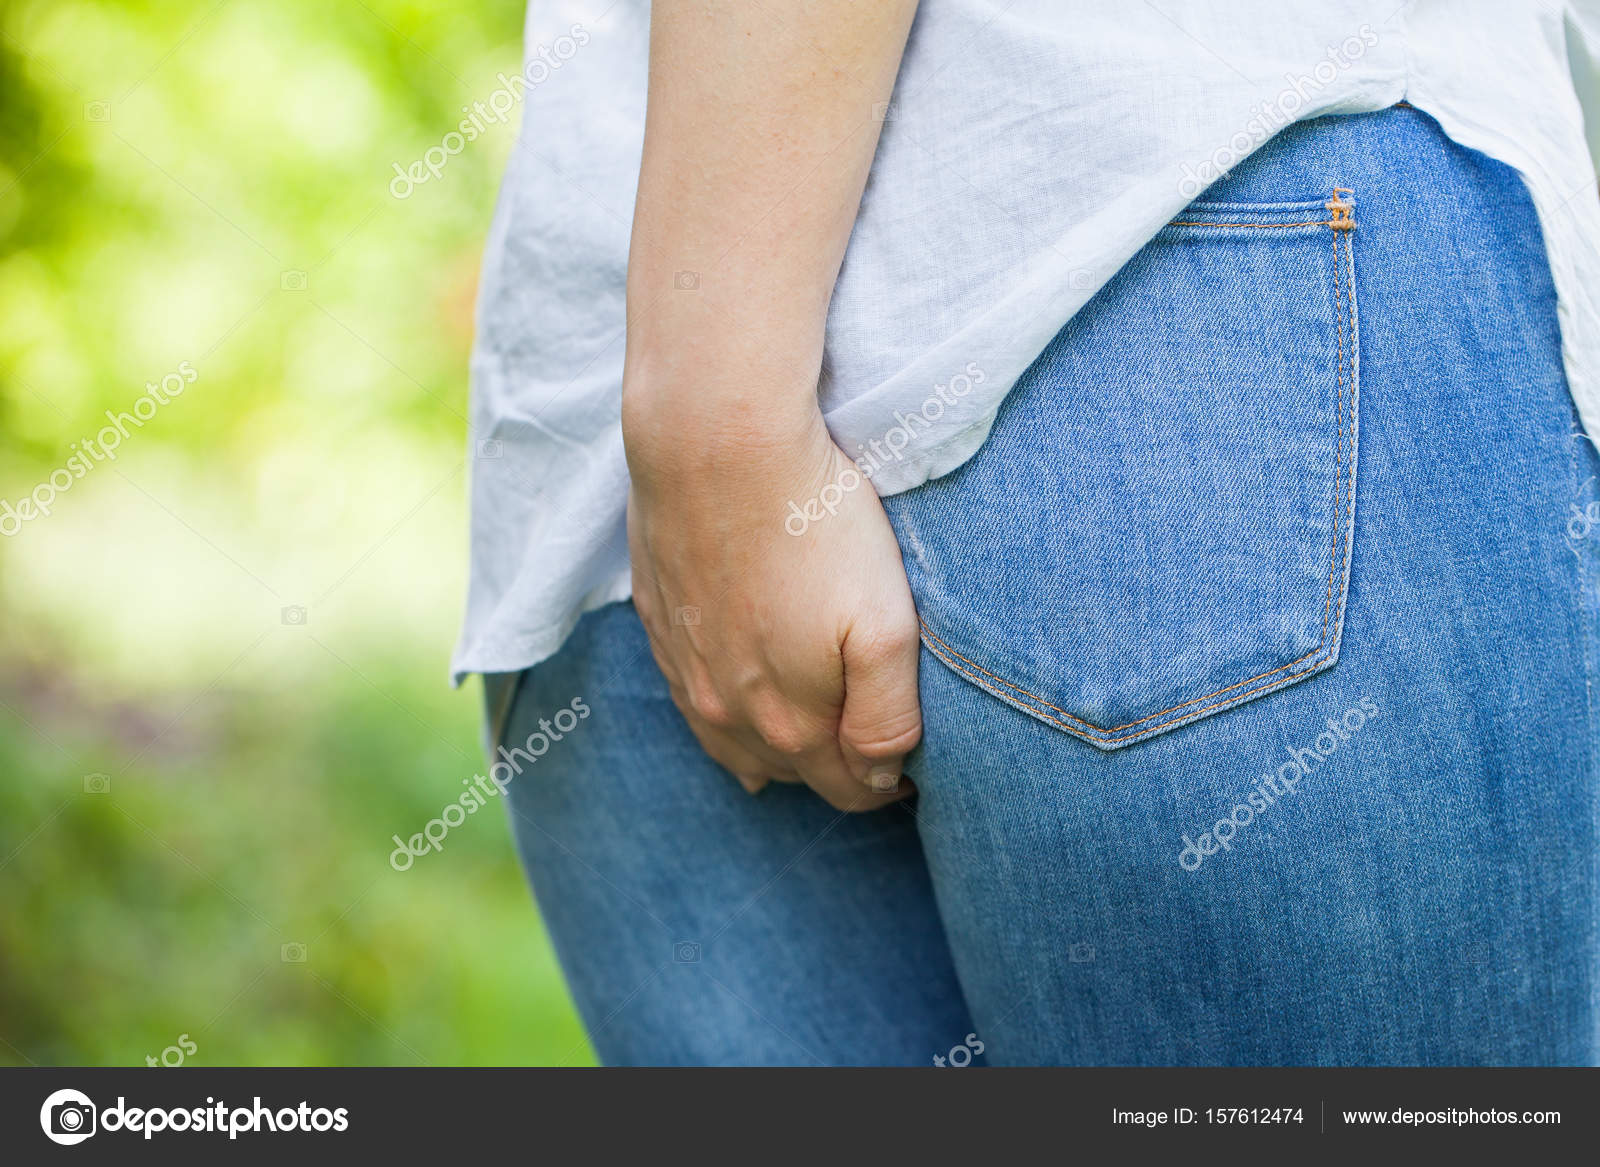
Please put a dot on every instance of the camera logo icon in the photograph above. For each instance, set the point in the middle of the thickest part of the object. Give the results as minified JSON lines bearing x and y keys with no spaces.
{"x":294,"y":614}
{"x":686,"y":952}
{"x":293,"y":280}
{"x":293,"y":952}
{"x":686,"y":281}
{"x":97,"y":111}
{"x":686,"y":616}
{"x":491,"y":448}
{"x":68,"y":1117}
{"x":97,"y":783}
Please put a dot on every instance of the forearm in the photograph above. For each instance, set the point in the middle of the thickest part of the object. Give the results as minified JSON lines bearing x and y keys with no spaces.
{"x":759,"y":135}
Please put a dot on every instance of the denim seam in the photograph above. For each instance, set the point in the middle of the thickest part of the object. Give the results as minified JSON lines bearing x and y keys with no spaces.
{"x":1327,"y":647}
{"x":1257,"y":211}
{"x":1257,"y":226}
{"x":1587,"y":622}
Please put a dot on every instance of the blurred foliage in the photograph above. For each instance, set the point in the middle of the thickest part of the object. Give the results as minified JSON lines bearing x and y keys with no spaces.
{"x":195,"y":785}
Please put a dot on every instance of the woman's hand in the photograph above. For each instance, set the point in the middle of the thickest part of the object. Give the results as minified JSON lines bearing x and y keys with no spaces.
{"x":792,"y":656}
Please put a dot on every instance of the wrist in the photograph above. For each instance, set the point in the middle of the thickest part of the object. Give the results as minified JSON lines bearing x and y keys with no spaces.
{"x":681,"y":437}
{"x":719,"y":399}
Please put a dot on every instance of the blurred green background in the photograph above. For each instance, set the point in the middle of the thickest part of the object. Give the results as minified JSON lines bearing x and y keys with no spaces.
{"x":197,"y":788}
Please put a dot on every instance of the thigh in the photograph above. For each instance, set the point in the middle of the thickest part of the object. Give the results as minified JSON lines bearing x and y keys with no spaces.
{"x":1381,"y":851}
{"x":697,"y":924}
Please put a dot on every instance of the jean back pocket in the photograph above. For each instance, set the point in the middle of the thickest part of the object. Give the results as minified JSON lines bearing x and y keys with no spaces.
{"x":1159,"y":525}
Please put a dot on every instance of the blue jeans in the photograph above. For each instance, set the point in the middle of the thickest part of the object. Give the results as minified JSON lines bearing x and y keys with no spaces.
{"x":1258,"y":647}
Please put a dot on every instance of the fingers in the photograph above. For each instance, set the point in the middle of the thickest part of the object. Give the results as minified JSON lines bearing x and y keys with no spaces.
{"x":881,"y":721}
{"x":751,"y":768}
{"x":744,"y":755}
{"x":779,"y":743}
{"x":805,"y":742}
{"x":838,"y":717}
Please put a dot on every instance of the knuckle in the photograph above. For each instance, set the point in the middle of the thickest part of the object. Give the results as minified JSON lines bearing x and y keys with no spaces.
{"x":716,"y":715}
{"x":788,"y":737}
{"x":785,"y":728}
{"x":707,"y":705}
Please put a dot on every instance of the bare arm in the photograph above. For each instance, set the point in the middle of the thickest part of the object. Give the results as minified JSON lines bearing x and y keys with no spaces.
{"x":759,"y":136}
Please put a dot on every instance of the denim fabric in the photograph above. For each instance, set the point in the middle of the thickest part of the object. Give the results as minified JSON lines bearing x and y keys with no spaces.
{"x":1183,"y":532}
{"x":698,"y":925}
{"x":1232,"y":754}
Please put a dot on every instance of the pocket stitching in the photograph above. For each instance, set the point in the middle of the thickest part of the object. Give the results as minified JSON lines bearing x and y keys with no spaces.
{"x":1180,"y":719}
{"x":1327,"y":647}
{"x":1257,"y":226}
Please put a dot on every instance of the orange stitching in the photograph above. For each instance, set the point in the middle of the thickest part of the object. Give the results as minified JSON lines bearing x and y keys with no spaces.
{"x":1340,"y":527}
{"x":929,"y":634}
{"x":1259,"y":226}
{"x":1140,"y":733}
{"x":1338,"y":477}
{"x":1113,"y":729}
{"x":1350,"y":495}
{"x":1342,"y":214}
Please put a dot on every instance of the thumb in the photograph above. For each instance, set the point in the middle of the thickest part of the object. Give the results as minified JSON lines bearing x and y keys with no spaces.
{"x":881,"y":721}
